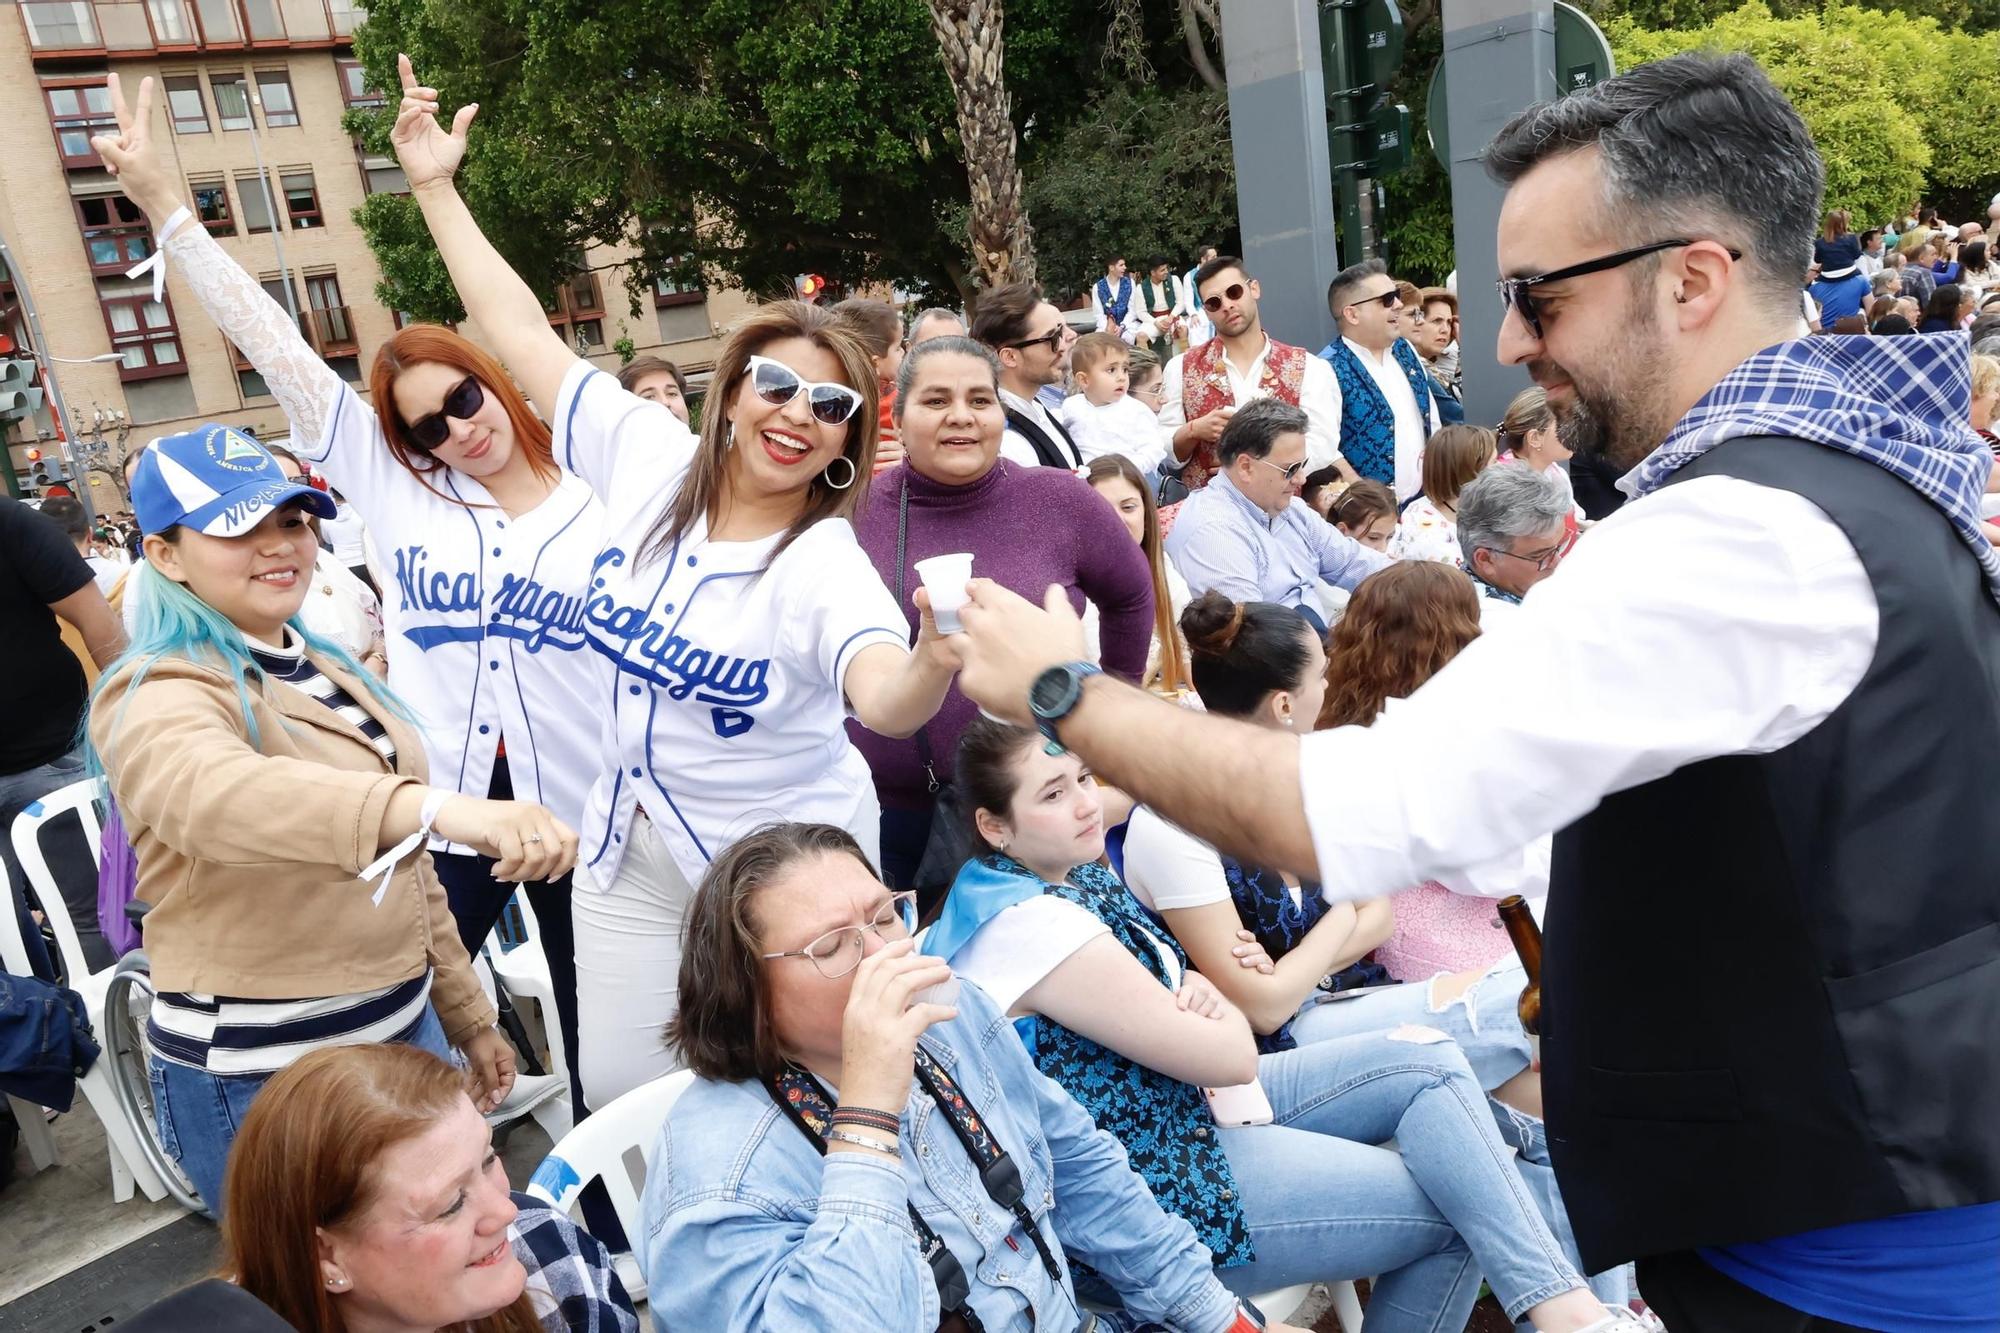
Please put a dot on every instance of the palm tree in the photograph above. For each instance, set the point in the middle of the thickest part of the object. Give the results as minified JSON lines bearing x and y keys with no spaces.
{"x":969,"y":34}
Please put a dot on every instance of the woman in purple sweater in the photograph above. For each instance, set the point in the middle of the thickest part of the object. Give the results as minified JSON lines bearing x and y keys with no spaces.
{"x":1026,"y":528}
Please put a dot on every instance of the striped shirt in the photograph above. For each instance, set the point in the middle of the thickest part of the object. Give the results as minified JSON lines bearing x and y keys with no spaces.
{"x":223,"y":1035}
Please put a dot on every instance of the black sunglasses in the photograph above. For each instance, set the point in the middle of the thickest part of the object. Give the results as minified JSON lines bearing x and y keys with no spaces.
{"x":1516,"y":294}
{"x":777,"y":384}
{"x":466,"y":398}
{"x":1053,"y":338}
{"x":1233,"y":292}
{"x":1388,"y":300}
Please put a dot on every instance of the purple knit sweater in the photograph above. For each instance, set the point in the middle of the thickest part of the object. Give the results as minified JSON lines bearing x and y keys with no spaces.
{"x":1027,"y":527}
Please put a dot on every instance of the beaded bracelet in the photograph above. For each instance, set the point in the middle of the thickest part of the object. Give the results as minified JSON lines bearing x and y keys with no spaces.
{"x":856,"y":1141}
{"x":868,"y":1118}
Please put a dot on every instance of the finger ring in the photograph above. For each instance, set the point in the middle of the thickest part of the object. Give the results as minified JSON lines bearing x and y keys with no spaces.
{"x":534,"y":837}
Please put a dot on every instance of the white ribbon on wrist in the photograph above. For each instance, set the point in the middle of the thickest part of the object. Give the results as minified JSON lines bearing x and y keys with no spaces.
{"x":385,"y":864}
{"x":156,"y":263}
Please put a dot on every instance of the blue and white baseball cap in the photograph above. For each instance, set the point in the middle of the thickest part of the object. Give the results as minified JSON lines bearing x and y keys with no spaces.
{"x":216,"y":480}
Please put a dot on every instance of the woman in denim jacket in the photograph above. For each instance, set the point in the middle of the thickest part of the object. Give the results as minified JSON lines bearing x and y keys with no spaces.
{"x":800,"y":982}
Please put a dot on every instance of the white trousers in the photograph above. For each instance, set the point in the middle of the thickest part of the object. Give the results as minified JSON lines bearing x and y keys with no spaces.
{"x":628,"y":967}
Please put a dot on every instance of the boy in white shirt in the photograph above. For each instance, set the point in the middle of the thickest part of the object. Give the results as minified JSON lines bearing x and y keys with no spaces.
{"x":1101,"y":416}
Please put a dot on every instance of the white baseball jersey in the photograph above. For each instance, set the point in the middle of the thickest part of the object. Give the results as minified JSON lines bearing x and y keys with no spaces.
{"x":727,"y":709}
{"x":484,"y":617}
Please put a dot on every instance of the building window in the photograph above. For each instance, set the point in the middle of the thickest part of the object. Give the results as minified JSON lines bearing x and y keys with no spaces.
{"x":218,"y":22}
{"x":302,"y":200}
{"x":252,"y":190}
{"x":142,"y":329}
{"x":59,"y":27}
{"x":274,"y":88}
{"x":232,"y":101}
{"x":170,"y":22}
{"x":78,"y":113}
{"x":115,"y":234}
{"x":211,"y":205}
{"x":265,"y":23}
{"x":184,"y":104}
{"x":577,"y":313}
{"x":354,"y":87}
{"x":671,"y":290}
{"x":344,"y":16}
{"x":333,"y":324}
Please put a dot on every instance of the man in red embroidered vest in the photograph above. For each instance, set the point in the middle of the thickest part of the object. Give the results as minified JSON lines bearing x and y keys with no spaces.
{"x":1204,"y":386}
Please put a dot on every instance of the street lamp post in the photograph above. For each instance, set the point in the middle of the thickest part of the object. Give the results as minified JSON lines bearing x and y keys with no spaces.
{"x":34,"y":317}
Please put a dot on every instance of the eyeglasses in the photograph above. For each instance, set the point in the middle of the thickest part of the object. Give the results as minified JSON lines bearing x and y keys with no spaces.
{"x":777,"y":384}
{"x":1053,"y":338}
{"x":1292,"y":473}
{"x":465,"y":398}
{"x":1233,"y":292}
{"x":1543,"y":561}
{"x":1388,"y":300}
{"x":1516,"y":294}
{"x":839,"y":952}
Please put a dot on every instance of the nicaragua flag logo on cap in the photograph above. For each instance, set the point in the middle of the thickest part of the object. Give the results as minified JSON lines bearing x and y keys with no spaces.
{"x":233,"y":450}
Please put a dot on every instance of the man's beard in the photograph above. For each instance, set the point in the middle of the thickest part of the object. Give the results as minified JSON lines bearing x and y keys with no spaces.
{"x":1616,"y":416}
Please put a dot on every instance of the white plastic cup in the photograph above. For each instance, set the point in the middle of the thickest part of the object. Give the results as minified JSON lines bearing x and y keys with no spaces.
{"x":945,"y":577}
{"x":945,"y":993}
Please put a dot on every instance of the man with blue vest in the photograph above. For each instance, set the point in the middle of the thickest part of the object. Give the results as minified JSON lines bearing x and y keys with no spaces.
{"x":1111,"y":301}
{"x":1387,"y":409}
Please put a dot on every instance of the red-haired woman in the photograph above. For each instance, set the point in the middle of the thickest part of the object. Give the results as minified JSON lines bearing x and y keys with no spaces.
{"x":486,"y":545}
{"x":745,"y":620}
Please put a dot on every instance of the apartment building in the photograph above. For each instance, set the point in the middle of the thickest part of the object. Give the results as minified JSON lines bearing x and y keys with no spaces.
{"x":251,"y":95}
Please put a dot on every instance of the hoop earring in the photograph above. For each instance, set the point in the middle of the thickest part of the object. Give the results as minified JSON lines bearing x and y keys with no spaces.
{"x":852,"y":473}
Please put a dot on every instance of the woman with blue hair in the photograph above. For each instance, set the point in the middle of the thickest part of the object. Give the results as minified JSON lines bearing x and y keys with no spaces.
{"x":275,"y":796}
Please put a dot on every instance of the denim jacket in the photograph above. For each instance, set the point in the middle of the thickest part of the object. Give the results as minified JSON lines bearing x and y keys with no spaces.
{"x":748,"y":1228}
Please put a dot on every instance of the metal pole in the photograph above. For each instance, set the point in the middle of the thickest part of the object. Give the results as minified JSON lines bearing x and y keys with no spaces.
{"x":1500,"y":57}
{"x":1284,"y":183}
{"x":34,"y":317}
{"x":254,"y":108}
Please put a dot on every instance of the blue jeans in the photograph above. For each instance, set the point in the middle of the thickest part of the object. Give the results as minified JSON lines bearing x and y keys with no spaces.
{"x":1424,"y":1219}
{"x":1485,"y":1022}
{"x":198,"y":1113}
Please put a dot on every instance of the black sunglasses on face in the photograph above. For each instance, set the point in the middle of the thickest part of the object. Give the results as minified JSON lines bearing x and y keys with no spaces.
{"x":777,"y":384}
{"x":1053,"y":338}
{"x":1388,"y":300}
{"x":466,"y":398}
{"x":1233,"y":292}
{"x":1517,"y":294}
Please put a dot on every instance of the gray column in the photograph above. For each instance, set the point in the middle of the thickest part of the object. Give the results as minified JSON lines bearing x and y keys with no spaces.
{"x":1500,"y":56}
{"x":1284,"y":189}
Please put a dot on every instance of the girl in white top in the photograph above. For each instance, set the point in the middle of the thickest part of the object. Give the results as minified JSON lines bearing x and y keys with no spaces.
{"x":487,"y":544}
{"x":1428,"y":530}
{"x":743,"y":619}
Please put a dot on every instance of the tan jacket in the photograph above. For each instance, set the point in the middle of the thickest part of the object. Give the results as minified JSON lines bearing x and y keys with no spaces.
{"x":250,"y":856}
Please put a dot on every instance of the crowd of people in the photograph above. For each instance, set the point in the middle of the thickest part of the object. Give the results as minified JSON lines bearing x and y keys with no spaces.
{"x":1012,"y":995}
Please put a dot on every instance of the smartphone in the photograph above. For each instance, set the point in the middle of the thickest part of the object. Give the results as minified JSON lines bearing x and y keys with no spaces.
{"x":1243,"y":1104}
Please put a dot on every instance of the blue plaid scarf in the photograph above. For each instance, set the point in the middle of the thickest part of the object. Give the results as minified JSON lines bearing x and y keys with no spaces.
{"x":1904,"y":404}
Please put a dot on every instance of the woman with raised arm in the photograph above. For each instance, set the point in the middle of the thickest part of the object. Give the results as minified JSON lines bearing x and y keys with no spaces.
{"x":744,"y":620}
{"x":487,"y":546}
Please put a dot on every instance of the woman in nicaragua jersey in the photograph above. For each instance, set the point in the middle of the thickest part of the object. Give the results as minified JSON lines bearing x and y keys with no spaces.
{"x":744,"y":620}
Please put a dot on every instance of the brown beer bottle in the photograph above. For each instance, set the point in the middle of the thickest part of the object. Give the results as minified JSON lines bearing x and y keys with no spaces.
{"x":1527,"y":937}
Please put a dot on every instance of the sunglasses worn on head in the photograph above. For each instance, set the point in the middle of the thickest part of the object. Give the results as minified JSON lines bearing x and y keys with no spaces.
{"x":466,"y":398}
{"x":1517,"y":294}
{"x":1233,"y":292}
{"x":777,"y":384}
{"x":1053,"y":338}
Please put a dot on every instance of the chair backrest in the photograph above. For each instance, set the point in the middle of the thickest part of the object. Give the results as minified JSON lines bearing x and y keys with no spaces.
{"x":80,"y":799}
{"x":13,"y":949}
{"x":615,"y":1145}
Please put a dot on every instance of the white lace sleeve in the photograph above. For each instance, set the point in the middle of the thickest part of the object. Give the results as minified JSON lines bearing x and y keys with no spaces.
{"x":305,"y":387}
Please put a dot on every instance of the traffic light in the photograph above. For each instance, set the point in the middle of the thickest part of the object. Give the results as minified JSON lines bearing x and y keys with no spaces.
{"x":45,"y":472}
{"x":20,"y":396}
{"x":811,"y":287}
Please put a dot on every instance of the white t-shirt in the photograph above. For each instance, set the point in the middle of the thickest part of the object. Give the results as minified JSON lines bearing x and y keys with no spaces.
{"x":1167,"y":868}
{"x":1009,"y":955}
{"x":346,"y":532}
{"x":727,"y":706}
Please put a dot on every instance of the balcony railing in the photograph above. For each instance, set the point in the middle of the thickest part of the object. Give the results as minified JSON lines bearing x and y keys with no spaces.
{"x":70,"y":28}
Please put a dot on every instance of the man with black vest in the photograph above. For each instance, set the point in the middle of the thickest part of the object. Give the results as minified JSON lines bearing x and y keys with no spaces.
{"x":1771,"y":987}
{"x":1033,"y":341}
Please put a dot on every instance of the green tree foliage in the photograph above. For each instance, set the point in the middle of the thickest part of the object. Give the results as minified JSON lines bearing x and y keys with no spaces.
{"x":1140,"y":172}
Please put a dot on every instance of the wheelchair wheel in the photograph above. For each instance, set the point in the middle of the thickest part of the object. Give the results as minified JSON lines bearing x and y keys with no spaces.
{"x":127,"y":1002}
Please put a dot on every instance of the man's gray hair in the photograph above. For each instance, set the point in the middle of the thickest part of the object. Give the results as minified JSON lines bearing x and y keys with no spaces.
{"x":1886,"y":283}
{"x":1506,"y":502}
{"x":1256,"y":427}
{"x":1700,"y":146}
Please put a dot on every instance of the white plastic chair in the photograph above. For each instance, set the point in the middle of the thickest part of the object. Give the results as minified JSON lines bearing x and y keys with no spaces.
{"x":128,"y":1162}
{"x":524,"y":972}
{"x":615,"y":1146}
{"x":32,"y":1119}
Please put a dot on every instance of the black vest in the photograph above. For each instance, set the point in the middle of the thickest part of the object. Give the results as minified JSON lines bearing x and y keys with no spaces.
{"x":1771,"y":988}
{"x":1065,"y":455}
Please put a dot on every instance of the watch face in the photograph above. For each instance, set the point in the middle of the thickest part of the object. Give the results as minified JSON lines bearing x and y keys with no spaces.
{"x":1050,"y":691}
